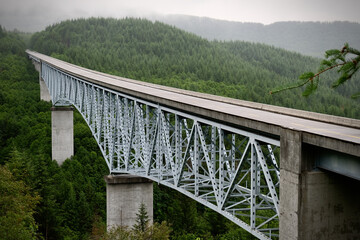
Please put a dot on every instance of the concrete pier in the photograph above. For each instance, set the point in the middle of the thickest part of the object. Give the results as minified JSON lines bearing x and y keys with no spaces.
{"x":314,"y":204}
{"x":62,"y":133}
{"x":124,"y":195}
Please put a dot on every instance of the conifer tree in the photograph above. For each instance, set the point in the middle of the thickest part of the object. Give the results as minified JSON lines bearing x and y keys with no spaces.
{"x":142,"y":219}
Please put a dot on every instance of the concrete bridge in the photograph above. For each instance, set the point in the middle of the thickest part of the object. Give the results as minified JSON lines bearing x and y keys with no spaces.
{"x":275,"y":172}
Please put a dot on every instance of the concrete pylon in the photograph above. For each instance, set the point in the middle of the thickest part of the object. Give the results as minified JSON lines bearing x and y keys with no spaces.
{"x":124,"y":195}
{"x":314,"y":204}
{"x":62,"y":133}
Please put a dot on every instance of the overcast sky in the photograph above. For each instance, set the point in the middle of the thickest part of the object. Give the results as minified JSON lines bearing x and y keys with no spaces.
{"x":35,"y":15}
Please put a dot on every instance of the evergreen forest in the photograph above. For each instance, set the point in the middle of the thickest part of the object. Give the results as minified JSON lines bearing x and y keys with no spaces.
{"x":42,"y":200}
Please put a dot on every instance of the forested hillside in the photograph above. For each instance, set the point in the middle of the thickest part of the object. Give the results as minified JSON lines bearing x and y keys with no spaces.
{"x":159,"y":53}
{"x":41,"y":200}
{"x":309,"y":38}
{"x":38,"y":199}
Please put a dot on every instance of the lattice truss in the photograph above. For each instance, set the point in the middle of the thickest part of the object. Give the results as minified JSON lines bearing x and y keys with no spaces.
{"x":232,"y":171}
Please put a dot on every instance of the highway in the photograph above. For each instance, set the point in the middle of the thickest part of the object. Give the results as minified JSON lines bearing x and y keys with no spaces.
{"x":337,"y":133}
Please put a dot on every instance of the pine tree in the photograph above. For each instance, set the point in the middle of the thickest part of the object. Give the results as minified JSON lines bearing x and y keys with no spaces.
{"x":142,"y":219}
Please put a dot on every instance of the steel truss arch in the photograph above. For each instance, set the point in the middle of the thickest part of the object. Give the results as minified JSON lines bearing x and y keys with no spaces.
{"x":232,"y":171}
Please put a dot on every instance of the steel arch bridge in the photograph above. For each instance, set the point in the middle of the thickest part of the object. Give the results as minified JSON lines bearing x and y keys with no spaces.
{"x":232,"y":171}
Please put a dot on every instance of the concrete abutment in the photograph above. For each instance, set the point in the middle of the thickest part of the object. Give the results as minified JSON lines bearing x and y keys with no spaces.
{"x":314,"y":204}
{"x":124,"y":195}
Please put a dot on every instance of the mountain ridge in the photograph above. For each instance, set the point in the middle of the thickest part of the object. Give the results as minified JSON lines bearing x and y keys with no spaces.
{"x":308,"y":38}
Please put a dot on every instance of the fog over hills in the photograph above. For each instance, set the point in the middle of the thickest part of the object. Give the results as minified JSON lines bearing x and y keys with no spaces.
{"x":309,"y":38}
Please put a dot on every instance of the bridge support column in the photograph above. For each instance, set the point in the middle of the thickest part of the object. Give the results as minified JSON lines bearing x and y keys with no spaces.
{"x":314,"y":204}
{"x":124,"y":195}
{"x":62,"y":133}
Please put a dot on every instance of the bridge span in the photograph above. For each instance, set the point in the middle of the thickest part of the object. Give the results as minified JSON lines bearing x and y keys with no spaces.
{"x":268,"y":169}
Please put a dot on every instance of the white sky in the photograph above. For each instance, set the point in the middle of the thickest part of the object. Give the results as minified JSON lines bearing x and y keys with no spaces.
{"x":35,"y":15}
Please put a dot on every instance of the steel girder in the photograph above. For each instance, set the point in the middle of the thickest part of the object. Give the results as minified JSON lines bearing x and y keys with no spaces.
{"x":232,"y":171}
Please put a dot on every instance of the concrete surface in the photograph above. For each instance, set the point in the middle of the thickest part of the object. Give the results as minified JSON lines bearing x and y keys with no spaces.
{"x":314,"y":204}
{"x":124,"y":195}
{"x":62,"y":133}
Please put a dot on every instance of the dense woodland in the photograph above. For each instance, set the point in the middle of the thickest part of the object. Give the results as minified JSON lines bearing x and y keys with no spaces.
{"x":69,"y":199}
{"x":46,"y":201}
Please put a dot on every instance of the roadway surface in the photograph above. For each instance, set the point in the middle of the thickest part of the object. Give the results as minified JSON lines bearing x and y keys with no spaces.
{"x":323,"y":132}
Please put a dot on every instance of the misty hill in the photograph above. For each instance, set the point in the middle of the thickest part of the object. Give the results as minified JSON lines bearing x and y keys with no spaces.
{"x":309,"y":38}
{"x":158,"y":53}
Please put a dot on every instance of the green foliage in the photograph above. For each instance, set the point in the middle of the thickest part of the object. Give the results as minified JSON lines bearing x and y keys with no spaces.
{"x":156,"y":231}
{"x":17,"y":205}
{"x":118,"y":233}
{"x":306,"y":75}
{"x":142,"y":229}
{"x":142,"y":219}
{"x":72,"y":195}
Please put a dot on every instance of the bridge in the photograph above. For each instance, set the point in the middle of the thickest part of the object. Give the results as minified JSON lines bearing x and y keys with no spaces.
{"x":275,"y":172}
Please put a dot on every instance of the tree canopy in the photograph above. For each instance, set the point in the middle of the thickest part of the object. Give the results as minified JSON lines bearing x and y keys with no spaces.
{"x":17,"y":207}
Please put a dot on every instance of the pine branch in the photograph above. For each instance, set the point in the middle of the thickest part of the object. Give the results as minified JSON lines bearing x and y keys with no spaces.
{"x":308,"y":79}
{"x":337,"y":58}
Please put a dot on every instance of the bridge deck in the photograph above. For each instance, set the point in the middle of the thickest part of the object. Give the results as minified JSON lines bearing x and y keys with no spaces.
{"x":344,"y":139}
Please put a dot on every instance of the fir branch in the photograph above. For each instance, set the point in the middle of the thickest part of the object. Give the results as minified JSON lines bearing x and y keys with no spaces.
{"x":334,"y":58}
{"x":308,"y":79}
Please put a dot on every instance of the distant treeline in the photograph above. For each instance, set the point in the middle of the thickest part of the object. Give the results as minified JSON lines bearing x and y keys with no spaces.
{"x":309,"y":38}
